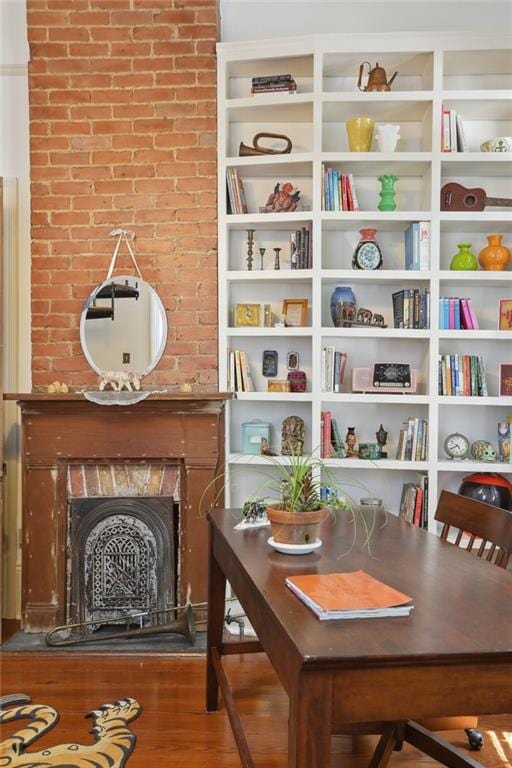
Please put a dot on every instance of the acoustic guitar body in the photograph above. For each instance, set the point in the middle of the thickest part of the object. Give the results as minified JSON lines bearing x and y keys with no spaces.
{"x":455,"y":197}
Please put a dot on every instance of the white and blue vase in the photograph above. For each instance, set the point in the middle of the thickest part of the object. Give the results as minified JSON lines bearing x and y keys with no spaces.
{"x":342,"y":294}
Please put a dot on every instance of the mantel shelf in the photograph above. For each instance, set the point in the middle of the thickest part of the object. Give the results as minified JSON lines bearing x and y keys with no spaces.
{"x":41,"y":397}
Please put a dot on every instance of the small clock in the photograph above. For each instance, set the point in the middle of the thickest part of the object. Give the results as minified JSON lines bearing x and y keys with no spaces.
{"x":456,"y":446}
{"x":367,"y":255}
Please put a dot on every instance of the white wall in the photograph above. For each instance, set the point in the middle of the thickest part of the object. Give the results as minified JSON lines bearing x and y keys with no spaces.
{"x":256,"y":19}
{"x":14,"y":168}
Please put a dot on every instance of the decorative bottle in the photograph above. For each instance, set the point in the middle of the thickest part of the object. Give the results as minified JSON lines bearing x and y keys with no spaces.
{"x":367,"y":254}
{"x":464,"y":259}
{"x":495,"y":256}
{"x":342,"y":295}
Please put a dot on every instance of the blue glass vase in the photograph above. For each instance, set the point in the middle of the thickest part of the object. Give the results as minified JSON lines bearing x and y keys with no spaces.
{"x":342,"y":294}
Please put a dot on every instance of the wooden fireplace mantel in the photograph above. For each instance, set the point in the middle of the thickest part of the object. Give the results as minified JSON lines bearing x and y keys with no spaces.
{"x":62,"y":429}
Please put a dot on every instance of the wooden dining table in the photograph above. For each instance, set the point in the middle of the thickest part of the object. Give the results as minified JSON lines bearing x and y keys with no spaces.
{"x":451,"y":656}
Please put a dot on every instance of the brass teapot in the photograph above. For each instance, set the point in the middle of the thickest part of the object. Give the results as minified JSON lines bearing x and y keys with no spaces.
{"x":377,"y":80}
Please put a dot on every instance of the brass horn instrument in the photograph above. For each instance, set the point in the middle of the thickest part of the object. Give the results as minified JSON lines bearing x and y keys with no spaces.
{"x":184,"y":626}
{"x":256,"y":149}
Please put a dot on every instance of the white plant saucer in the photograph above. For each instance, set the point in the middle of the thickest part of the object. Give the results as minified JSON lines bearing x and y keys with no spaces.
{"x":294,"y":549}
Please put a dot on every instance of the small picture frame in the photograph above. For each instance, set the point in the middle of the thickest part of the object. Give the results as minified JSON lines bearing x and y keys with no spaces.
{"x":269,"y":363}
{"x":295,"y":312}
{"x":505,"y":316}
{"x":292,"y":361}
{"x":247,"y":315}
{"x":506,"y":380}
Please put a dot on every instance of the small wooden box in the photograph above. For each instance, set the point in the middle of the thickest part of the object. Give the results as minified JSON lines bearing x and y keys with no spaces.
{"x":278,"y":385}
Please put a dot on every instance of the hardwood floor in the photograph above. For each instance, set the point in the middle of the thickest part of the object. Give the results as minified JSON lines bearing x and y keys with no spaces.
{"x":174,"y":730}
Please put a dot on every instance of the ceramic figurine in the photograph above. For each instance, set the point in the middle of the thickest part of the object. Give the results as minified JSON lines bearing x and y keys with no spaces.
{"x":292,"y":436}
{"x":351,"y":443}
{"x":119,"y":380}
{"x":387,"y":192}
{"x":464,"y":259}
{"x":495,"y":256}
{"x":284,"y":198}
{"x":483,"y":450}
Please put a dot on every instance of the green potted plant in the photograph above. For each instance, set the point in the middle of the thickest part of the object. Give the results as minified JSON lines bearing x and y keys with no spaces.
{"x":298,"y":495}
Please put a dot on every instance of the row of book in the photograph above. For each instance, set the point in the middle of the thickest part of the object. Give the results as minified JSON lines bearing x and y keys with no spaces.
{"x":453,"y":137}
{"x":456,"y":314}
{"x":270,"y":83}
{"x":414,"y":503}
{"x":301,"y":248}
{"x":331,"y":444}
{"x":236,"y":194}
{"x":333,"y":369}
{"x":413,"y":440}
{"x":462,"y":375}
{"x":338,"y":191}
{"x":417,"y":245}
{"x":411,"y":308}
{"x":239,"y":372}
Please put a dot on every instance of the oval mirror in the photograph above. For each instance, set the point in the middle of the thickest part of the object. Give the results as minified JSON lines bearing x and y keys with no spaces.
{"x":123,"y":326}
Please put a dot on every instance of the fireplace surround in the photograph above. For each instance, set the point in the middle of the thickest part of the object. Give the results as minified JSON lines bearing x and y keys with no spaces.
{"x":65,"y":431}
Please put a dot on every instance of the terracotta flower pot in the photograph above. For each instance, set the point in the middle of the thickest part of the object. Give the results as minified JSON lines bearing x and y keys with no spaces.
{"x":295,"y":527}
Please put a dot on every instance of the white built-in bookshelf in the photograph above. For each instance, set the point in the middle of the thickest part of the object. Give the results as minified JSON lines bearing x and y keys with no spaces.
{"x":471,"y":74}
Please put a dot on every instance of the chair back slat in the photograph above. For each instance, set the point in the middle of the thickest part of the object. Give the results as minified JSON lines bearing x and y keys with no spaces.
{"x":479,"y":521}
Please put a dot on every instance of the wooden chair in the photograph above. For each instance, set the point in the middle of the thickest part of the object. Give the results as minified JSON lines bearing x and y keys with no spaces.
{"x":486,"y":532}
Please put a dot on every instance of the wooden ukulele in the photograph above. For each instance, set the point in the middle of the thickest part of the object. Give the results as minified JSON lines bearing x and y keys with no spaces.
{"x":455,"y":197}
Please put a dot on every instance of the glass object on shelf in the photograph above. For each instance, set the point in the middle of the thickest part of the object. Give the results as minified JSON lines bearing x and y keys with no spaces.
{"x":464,"y":259}
{"x":495,"y":256}
{"x":387,"y":192}
{"x":386,"y":136}
{"x":360,"y":133}
{"x":341,"y":296}
{"x":367,"y":254}
{"x":254,"y":433}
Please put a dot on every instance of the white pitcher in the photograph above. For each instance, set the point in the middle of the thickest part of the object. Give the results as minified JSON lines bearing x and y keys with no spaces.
{"x":387,"y":136}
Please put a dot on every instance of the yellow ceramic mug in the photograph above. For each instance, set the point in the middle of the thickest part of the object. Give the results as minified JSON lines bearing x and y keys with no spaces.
{"x":360,"y":133}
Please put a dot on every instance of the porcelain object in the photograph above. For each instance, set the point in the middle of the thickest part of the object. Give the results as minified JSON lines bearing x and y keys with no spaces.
{"x":342,"y":294}
{"x":294,"y":549}
{"x":464,"y":259}
{"x":499,"y":144}
{"x":495,"y":256}
{"x":387,"y":136}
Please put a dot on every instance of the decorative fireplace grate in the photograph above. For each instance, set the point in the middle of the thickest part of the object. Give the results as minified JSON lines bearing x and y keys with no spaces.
{"x":122,"y":556}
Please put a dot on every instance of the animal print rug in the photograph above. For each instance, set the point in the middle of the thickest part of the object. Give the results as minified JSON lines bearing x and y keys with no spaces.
{"x":114,"y":740}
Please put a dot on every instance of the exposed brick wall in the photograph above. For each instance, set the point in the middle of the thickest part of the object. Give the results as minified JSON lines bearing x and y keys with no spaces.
{"x":122,"y":131}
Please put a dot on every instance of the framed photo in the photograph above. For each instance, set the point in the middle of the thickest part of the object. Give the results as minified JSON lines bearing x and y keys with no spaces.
{"x":505,"y":319}
{"x":269,"y":363}
{"x":506,"y":380}
{"x":247,"y":315}
{"x":295,"y":312}
{"x":292,"y":361}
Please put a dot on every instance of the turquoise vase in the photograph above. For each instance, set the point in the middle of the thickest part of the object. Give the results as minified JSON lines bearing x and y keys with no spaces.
{"x":464,"y":260}
{"x":342,"y":294}
{"x":387,"y":192}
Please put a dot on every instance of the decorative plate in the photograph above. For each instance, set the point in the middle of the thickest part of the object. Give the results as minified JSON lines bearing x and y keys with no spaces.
{"x":294,"y":549}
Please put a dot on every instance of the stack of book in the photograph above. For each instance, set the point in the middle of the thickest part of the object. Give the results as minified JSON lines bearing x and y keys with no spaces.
{"x":411,"y":308}
{"x":456,"y":314}
{"x":417,"y":245}
{"x":301,"y":248}
{"x":352,"y":595}
{"x":333,"y":369}
{"x":413,"y":440}
{"x":453,"y":137}
{"x":338,"y":191}
{"x":239,"y":379}
{"x":414,"y":503}
{"x":462,"y":375}
{"x":331,"y":443}
{"x":236,"y":194}
{"x":270,"y":83}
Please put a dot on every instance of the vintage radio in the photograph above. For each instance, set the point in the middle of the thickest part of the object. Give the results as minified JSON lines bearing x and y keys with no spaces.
{"x":385,"y":378}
